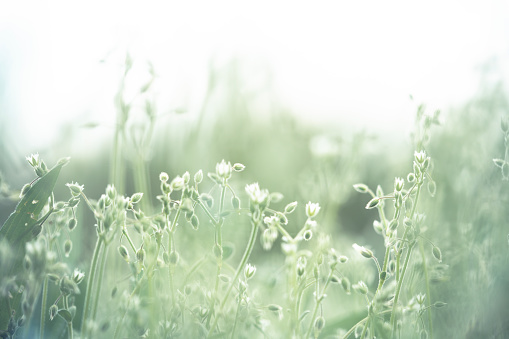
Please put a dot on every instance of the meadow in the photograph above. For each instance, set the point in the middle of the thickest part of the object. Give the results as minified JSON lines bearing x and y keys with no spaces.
{"x":233,"y":225}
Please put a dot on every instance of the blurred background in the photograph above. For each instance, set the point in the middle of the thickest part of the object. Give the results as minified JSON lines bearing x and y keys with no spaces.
{"x":312,"y":98}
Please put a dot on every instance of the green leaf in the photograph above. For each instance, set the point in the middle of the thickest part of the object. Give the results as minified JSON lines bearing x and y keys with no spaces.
{"x":228,"y":250}
{"x":21,"y":227}
{"x":65,"y":314}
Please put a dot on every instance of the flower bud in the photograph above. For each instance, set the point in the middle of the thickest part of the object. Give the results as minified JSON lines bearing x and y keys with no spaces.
{"x":398,"y":184}
{"x":366,"y":253}
{"x":218,"y":251}
{"x":122,"y":250}
{"x":373,"y":203}
{"x":290,"y":207}
{"x":319,"y":324}
{"x":111,"y":192}
{"x":195,"y":222}
{"x":437,"y":253}
{"x":345,"y":283}
{"x":67,"y":247}
{"x":360,"y":287}
{"x":198,"y":177}
{"x":361,"y":188}
{"x":75,"y":189}
{"x":238,"y":167}
{"x":140,"y":255}
{"x":71,"y":224}
{"x":235,"y":202}
{"x":174,"y":258}
{"x":186,"y":176}
{"x":136,"y":197}
{"x":393,"y":225}
{"x":53,"y":311}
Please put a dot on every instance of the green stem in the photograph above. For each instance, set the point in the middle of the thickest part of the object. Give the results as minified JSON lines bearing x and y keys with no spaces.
{"x":407,"y":259}
{"x":236,"y":318}
{"x":102,"y":264}
{"x":117,"y":328}
{"x":245,"y":257}
{"x":69,"y":323}
{"x":428,"y":293}
{"x":398,"y":288}
{"x":319,"y":301}
{"x":43,"y":307}
{"x":90,"y":281}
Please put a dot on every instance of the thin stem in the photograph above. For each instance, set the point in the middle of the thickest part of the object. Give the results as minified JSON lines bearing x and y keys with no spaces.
{"x":405,"y":265}
{"x":102,"y":264}
{"x":428,"y":294}
{"x":245,"y":257}
{"x":319,"y":301}
{"x":90,"y":281}
{"x":69,"y":323}
{"x":398,"y":288}
{"x":43,"y":307}
{"x":236,"y":318}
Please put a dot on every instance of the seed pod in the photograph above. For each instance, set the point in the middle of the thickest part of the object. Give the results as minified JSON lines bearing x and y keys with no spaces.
{"x":59,"y":205}
{"x":195,"y":222}
{"x":437,"y":253}
{"x":123,"y":252}
{"x":71,"y":224}
{"x":345,"y":283}
{"x":136,"y":197}
{"x":290,"y":207}
{"x":319,"y":324}
{"x":174,"y":258}
{"x":218,"y":251}
{"x":393,"y":225}
{"x":439,"y":304}
{"x":73,"y":202}
{"x":140,"y":255}
{"x":373,"y":203}
{"x":67,"y":247}
{"x":235,"y":202}
{"x":361,"y":188}
{"x":53,"y":311}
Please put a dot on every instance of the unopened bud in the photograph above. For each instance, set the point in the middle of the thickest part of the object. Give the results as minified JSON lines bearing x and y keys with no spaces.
{"x":123,"y":252}
{"x":67,"y":247}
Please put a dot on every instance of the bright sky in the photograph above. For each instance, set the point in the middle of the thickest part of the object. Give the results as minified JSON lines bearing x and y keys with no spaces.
{"x":332,"y":61}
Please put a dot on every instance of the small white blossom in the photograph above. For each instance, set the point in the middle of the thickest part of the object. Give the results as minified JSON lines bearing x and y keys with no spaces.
{"x":312,"y":209}
{"x":224,"y":169}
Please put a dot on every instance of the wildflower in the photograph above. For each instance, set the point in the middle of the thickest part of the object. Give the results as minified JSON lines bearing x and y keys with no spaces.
{"x":224,"y":170}
{"x":256,"y":195}
{"x":312,"y":209}
{"x":363,"y":251}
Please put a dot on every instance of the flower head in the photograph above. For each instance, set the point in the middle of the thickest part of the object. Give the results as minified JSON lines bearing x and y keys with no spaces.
{"x":312,"y":209}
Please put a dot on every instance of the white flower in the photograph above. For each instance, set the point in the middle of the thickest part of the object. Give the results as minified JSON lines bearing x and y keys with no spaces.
{"x":178,"y":183}
{"x":363,"y":251}
{"x":224,"y":170}
{"x":420,"y":156}
{"x":249,"y":271}
{"x":398,"y":184}
{"x":312,"y":209}
{"x":256,"y":195}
